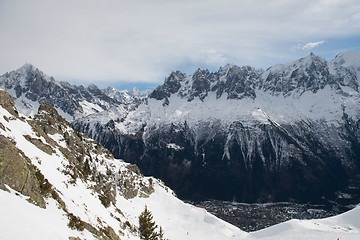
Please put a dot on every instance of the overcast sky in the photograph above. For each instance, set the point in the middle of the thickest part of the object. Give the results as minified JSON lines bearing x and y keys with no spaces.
{"x":139,"y":42}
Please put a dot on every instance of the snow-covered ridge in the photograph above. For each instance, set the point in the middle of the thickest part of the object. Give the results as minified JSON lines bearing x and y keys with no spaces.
{"x":310,"y":73}
{"x":91,"y":194}
{"x":234,"y":93}
{"x":126,"y":96}
{"x":29,"y":87}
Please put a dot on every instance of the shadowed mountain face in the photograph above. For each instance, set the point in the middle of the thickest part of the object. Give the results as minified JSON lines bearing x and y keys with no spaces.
{"x":290,"y":132}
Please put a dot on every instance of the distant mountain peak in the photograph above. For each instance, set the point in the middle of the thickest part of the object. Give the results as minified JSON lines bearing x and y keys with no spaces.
{"x":27,"y":67}
{"x":348,"y":58}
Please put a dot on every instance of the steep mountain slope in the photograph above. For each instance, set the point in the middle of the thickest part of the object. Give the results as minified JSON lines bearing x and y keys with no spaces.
{"x":31,"y":87}
{"x":290,"y":132}
{"x":80,"y":190}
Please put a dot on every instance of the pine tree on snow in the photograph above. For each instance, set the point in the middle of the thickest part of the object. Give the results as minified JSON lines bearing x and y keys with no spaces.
{"x":147,"y":226}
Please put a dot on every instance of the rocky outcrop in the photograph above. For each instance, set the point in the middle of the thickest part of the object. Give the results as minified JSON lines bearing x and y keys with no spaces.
{"x":8,"y":103}
{"x":17,"y":172}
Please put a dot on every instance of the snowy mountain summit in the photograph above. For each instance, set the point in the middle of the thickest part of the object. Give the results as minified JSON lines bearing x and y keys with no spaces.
{"x":310,"y":73}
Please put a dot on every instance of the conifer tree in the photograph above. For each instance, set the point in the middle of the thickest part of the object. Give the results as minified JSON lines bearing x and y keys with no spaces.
{"x":147,"y":226}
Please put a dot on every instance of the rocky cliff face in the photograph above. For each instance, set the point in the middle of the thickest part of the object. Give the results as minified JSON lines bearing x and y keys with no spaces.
{"x":15,"y":168}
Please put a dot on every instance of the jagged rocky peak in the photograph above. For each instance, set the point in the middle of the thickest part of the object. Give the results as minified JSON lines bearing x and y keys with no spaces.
{"x":127,"y":97}
{"x":94,"y":89}
{"x":175,"y":76}
{"x":30,"y":87}
{"x":200,"y":84}
{"x":171,"y":85}
{"x":28,"y":69}
{"x":24,"y":79}
{"x":310,"y":73}
{"x":237,"y":82}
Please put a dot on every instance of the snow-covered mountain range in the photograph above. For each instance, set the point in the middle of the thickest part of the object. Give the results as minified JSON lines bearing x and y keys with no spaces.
{"x":29,"y":87}
{"x":56,"y":183}
{"x":290,"y":132}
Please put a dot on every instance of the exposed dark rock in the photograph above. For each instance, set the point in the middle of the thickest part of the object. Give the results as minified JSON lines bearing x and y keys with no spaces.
{"x":18,"y":173}
{"x":8,"y":103}
{"x":170,"y":86}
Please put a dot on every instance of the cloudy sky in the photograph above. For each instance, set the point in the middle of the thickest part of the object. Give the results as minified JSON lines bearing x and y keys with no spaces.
{"x":139,"y":42}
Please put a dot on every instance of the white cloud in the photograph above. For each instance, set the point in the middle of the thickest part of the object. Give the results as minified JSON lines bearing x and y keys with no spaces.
{"x":312,"y":45}
{"x":143,"y":41}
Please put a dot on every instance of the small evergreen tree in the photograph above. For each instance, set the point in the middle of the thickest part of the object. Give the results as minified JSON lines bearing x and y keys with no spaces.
{"x":161,"y":234}
{"x":147,"y":226}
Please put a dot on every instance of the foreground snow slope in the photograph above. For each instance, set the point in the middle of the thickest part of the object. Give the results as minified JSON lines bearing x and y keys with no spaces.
{"x":37,"y":223}
{"x":104,"y":201}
